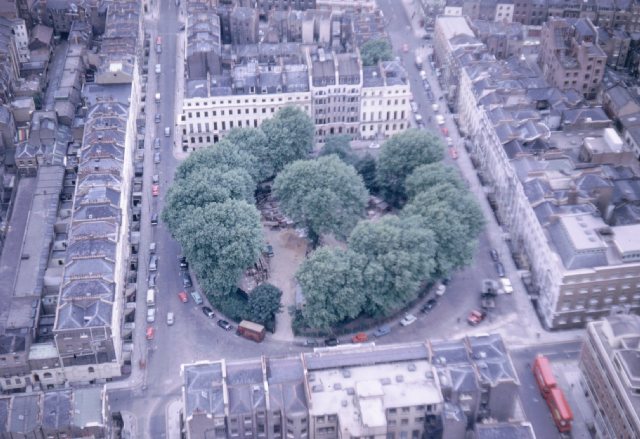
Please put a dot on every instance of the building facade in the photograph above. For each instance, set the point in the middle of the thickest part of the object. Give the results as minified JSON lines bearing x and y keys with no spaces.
{"x":609,"y":363}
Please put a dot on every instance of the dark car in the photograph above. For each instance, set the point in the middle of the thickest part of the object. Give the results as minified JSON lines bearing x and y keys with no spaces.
{"x":225,"y":325}
{"x":184,"y":265}
{"x":431,"y":303}
{"x":154,"y":219}
{"x":500,"y":269}
{"x":331,"y":342}
{"x":494,"y":255}
{"x":186,"y":279}
{"x":208,"y":312}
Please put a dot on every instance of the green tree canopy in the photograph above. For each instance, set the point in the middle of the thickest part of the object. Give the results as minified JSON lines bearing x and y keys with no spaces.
{"x":221,"y":240}
{"x":264,"y":303}
{"x":456,"y":223}
{"x":325,"y":195}
{"x":223,"y":155}
{"x":424,"y":177}
{"x":366,"y":167}
{"x":400,"y":254}
{"x":254,"y":142}
{"x":289,"y":137}
{"x":208,"y":185}
{"x":376,"y":50}
{"x":331,"y":281}
{"x":399,"y":156}
{"x":339,"y":145}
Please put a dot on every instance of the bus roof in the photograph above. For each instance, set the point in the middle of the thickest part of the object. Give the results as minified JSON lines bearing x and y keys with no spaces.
{"x":559,"y":401}
{"x":252,"y":326}
{"x":542,"y":363}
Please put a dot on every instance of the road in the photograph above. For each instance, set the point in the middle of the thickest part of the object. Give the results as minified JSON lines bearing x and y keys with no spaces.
{"x":147,"y":394}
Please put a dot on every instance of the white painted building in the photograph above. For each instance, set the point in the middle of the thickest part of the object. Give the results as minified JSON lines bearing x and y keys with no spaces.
{"x":504,"y":12}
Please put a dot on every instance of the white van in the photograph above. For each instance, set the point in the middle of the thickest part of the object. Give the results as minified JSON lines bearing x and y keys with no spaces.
{"x":158,"y":68}
{"x":167,"y":131}
{"x":151,"y":297}
{"x":157,"y":97}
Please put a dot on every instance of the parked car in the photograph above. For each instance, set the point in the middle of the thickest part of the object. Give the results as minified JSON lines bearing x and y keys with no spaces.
{"x":153,"y":263}
{"x":382,"y":331}
{"x":449,"y":141}
{"x":151,"y":315}
{"x":157,"y":118}
{"x":225,"y":325}
{"x":494,"y":255}
{"x":360,"y":337}
{"x":429,"y":305}
{"x":151,"y":332}
{"x":182,"y":295}
{"x":440,"y":121}
{"x":156,"y":158}
{"x":445,"y":130}
{"x":170,"y":318}
{"x":167,"y":131}
{"x":154,"y":219}
{"x":310,"y":343}
{"x":414,"y":107}
{"x":441,"y":289}
{"x":476,"y":317}
{"x":405,"y":47}
{"x":506,"y":285}
{"x":332,"y":341}
{"x":156,"y":143}
{"x":184,"y":265}
{"x":208,"y":312}
{"x":155,"y":178}
{"x":197,"y":298}
{"x":500,"y":269}
{"x":152,"y":247}
{"x":186,"y":279}
{"x":435,"y":107}
{"x":152,"y":280}
{"x":453,"y":153}
{"x":408,"y":319}
{"x":155,"y":190}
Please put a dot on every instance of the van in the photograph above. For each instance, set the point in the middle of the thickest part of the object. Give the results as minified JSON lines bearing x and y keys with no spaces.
{"x":423,"y":75}
{"x":157,"y":97}
{"x":252,"y":331}
{"x":151,"y":297}
{"x":167,"y":131}
{"x":158,"y":68}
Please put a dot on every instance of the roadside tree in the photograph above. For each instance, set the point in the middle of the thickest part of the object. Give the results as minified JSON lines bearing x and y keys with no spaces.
{"x":325,"y":195}
{"x":399,"y":156}
{"x":223,"y":155}
{"x":331,"y":281}
{"x":254,"y":142}
{"x":264,"y":304}
{"x":221,"y":240}
{"x":399,"y":255}
{"x":425,"y":177}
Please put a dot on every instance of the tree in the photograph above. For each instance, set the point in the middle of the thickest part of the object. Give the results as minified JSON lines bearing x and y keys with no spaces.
{"x":331,"y":281}
{"x":254,"y":142}
{"x":366,"y":167}
{"x":264,"y":303}
{"x":221,"y":240}
{"x":376,"y":50}
{"x":339,"y":145}
{"x":325,"y":195}
{"x":223,"y":155}
{"x":400,"y":255}
{"x":424,"y":177}
{"x":208,"y":185}
{"x":399,"y":156}
{"x":289,"y":137}
{"x":455,"y":222}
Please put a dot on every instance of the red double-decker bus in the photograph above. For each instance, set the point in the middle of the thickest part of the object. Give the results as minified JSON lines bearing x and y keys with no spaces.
{"x":552,"y":394}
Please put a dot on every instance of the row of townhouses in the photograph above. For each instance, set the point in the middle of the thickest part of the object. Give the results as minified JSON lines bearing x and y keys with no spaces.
{"x":311,"y":61}
{"x":564,"y":184}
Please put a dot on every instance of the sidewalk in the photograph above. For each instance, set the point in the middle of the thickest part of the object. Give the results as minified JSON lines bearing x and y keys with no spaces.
{"x":172,"y":419}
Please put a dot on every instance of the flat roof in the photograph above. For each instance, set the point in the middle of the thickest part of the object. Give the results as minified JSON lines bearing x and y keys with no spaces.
{"x":627,"y":238}
{"x":581,"y":230}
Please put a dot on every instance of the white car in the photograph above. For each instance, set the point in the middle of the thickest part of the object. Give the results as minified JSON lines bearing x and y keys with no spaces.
{"x":434,"y":107}
{"x":441,"y":290}
{"x":439,"y":119}
{"x":506,"y":285}
{"x":158,"y":68}
{"x":170,"y":318}
{"x":414,"y":107}
{"x":408,"y":319}
{"x":151,"y":315}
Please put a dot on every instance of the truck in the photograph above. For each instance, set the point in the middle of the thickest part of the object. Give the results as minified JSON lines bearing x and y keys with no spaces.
{"x":252,"y":331}
{"x":552,"y":394}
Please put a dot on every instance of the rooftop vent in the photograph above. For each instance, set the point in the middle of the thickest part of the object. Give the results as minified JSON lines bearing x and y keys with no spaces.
{"x":385,"y":381}
{"x":411,"y":367}
{"x":317,"y":388}
{"x":343,"y":403}
{"x":399,"y":379}
{"x":346,"y":373}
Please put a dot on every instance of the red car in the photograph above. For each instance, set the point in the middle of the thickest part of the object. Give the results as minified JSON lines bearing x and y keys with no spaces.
{"x":155,"y":190}
{"x":182,"y":295}
{"x":445,"y":131}
{"x":476,"y":317}
{"x":360,"y":337}
{"x":453,"y":153}
{"x":151,"y":332}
